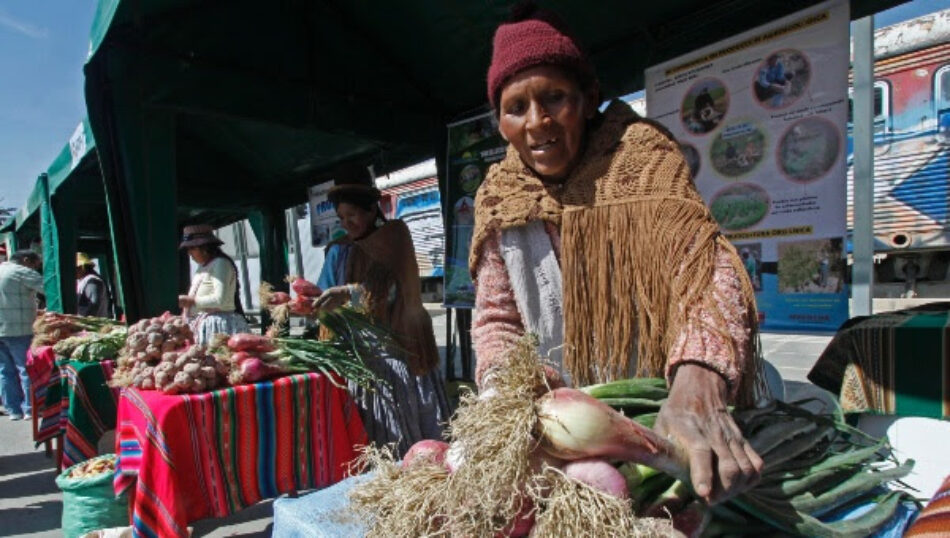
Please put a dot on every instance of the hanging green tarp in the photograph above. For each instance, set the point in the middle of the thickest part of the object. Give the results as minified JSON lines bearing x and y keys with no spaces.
{"x":284,"y":95}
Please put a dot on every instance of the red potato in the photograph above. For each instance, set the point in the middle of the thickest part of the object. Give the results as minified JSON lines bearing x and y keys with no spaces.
{"x":250,"y":342}
{"x":253,"y":369}
{"x":600,"y":475}
{"x":305,"y":288}
{"x":426,"y":450}
{"x":692,"y":520}
{"x":522,"y":524}
{"x":278,"y":298}
{"x":302,"y":306}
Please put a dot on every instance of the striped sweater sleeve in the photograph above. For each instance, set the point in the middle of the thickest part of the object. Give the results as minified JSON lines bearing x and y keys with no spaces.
{"x":496,"y":324}
{"x":699,"y":344}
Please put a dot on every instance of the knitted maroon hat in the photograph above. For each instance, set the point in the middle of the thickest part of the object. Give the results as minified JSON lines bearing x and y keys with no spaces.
{"x":533,"y":37}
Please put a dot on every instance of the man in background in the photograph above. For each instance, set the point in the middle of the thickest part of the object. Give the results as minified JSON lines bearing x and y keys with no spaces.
{"x":20,"y":282}
{"x":92,"y":296}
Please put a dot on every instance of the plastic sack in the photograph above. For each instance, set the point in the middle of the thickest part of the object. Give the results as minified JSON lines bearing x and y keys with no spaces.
{"x":118,"y":532}
{"x":89,"y":503}
{"x":317,"y":515}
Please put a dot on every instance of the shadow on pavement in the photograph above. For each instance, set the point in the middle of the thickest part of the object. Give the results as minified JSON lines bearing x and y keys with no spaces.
{"x":38,"y":517}
{"x":241,"y":524}
{"x":25,"y":463}
{"x":28,"y":485}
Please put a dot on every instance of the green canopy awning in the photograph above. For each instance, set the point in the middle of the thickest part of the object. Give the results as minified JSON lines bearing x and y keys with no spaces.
{"x":237,"y":107}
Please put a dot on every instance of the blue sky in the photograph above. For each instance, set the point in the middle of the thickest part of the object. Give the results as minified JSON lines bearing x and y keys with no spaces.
{"x":43,"y":45}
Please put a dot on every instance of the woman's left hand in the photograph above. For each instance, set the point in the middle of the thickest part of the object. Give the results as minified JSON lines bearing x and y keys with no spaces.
{"x":721,"y":462}
{"x":185,"y":301}
{"x":333,"y":298}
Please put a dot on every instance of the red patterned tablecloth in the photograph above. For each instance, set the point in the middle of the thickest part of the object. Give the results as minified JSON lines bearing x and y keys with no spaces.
{"x":190,"y":457}
{"x":43,"y":372}
{"x":72,"y":399}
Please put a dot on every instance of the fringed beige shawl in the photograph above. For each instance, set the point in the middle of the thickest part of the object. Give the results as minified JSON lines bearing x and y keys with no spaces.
{"x":638,"y":246}
{"x":384,"y":259}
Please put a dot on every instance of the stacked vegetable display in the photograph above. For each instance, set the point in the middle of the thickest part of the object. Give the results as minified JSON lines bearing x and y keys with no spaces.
{"x":52,"y":327}
{"x":90,"y":347}
{"x":525,"y":460}
{"x":256,"y":358}
{"x":159,"y":355}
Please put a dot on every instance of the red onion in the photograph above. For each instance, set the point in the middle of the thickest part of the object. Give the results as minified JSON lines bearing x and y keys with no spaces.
{"x":599,"y":475}
{"x":576,"y":426}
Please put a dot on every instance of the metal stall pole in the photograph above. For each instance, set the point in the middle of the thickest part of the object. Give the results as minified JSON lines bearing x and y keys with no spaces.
{"x":294,"y":233}
{"x":862,"y":270}
{"x":240,"y":240}
{"x":449,"y":347}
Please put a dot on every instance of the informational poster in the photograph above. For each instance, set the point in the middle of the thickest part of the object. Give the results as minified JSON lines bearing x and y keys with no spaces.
{"x":474,"y":144}
{"x":761,"y":119}
{"x":324,"y":224}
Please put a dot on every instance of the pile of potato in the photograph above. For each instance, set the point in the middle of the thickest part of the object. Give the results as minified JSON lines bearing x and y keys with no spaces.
{"x":159,"y":356}
{"x":93,"y":467}
{"x":150,"y":338}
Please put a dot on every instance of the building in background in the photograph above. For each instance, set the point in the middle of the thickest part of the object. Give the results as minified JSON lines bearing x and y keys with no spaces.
{"x":412,"y":194}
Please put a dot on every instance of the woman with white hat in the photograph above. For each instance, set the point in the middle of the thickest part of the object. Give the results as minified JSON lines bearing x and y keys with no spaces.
{"x":213,"y":300}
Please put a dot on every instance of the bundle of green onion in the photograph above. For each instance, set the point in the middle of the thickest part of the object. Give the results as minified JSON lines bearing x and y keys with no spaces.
{"x":815,"y":465}
{"x":352,"y":341}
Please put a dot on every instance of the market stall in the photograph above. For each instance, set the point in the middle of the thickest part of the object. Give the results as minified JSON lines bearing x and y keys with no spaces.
{"x":191,"y":457}
{"x":80,"y":406}
{"x":154,"y":91}
{"x":70,"y":365}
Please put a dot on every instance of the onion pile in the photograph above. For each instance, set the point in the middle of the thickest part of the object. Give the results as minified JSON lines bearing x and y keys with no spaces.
{"x":564,"y":462}
{"x":150,"y":338}
{"x":159,"y":355}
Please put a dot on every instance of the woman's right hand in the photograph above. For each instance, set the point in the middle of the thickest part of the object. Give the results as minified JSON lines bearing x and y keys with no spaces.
{"x":186,"y":301}
{"x":333,"y":298}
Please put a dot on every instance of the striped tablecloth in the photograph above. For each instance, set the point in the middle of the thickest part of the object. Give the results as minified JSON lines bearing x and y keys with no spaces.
{"x":891,"y":363}
{"x":190,"y":457}
{"x":43,"y":372}
{"x":89,"y":408}
{"x":72,"y":399}
{"x":77,"y":402}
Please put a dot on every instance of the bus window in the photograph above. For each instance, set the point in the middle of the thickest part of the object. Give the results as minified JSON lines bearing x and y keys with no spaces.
{"x":942,"y":99}
{"x":882,"y":108}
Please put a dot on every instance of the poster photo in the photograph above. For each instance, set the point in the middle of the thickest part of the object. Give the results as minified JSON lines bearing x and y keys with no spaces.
{"x":473,"y":145}
{"x":324,"y":224}
{"x":761,"y":122}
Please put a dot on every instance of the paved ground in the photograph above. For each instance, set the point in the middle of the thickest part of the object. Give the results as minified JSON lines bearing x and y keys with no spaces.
{"x":30,"y":503}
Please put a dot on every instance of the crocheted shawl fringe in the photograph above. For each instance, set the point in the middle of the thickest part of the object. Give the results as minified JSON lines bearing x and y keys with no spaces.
{"x":638,"y":249}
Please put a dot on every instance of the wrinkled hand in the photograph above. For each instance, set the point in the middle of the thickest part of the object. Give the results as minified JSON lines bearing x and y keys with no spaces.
{"x":185,"y":301}
{"x":721,"y":462}
{"x":332,"y":298}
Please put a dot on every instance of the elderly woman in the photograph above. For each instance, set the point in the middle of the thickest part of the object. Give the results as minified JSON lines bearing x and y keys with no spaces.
{"x":374,"y":266}
{"x":591,"y":235}
{"x":213,"y":301}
